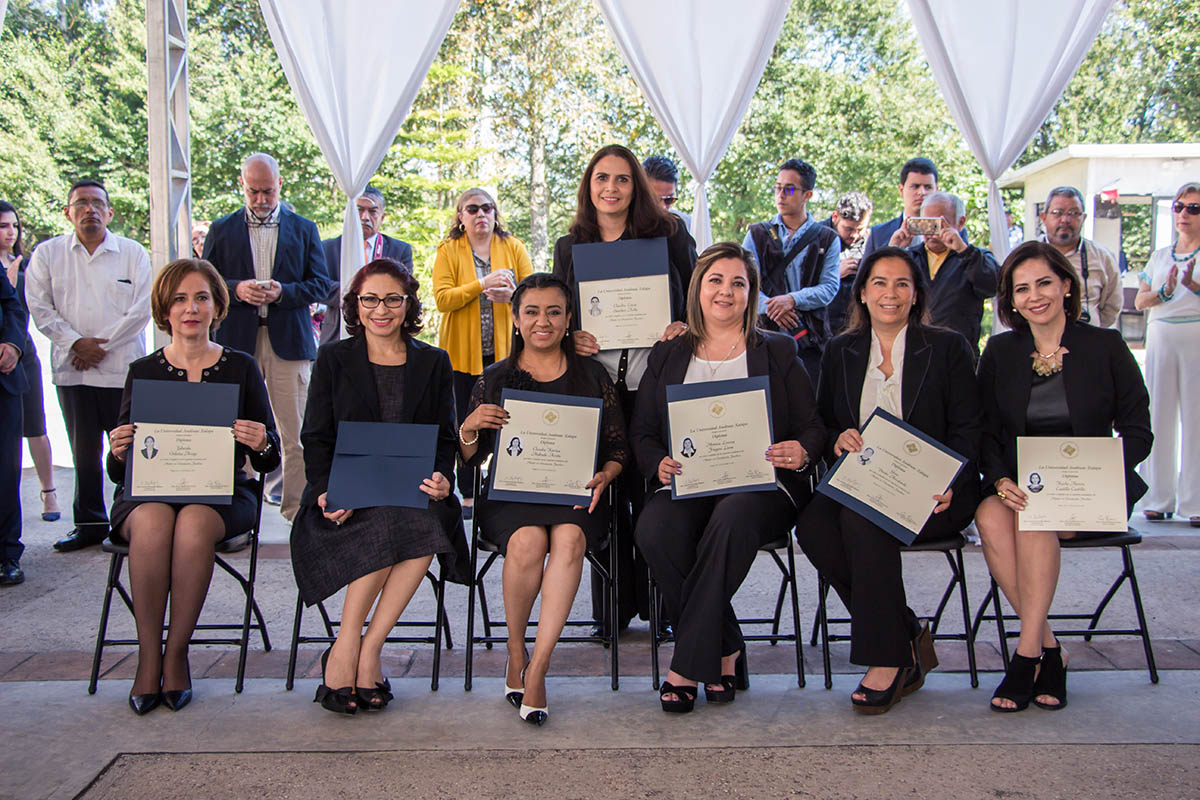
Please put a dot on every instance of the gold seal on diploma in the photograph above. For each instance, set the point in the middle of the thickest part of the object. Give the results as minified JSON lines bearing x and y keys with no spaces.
{"x":550,"y":417}
{"x":1068,"y":449}
{"x":717,"y":409}
{"x":912,"y":447}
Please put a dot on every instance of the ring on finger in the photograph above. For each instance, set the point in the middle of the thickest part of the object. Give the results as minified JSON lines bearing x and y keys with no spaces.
{"x":1000,"y":493}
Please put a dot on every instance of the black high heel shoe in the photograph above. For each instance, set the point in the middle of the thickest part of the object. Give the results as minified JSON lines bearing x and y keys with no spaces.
{"x":339,"y":701}
{"x":685,"y":698}
{"x":376,"y":698}
{"x":143,"y":704}
{"x":880,"y":701}
{"x":515,"y":694}
{"x":1051,"y":679}
{"x":925,"y":660}
{"x":1017,"y":685}
{"x":730,"y":684}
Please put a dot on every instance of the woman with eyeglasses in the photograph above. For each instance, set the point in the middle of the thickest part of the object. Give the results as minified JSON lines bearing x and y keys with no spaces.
{"x":381,"y":373}
{"x":1170,"y":291}
{"x":476,"y":269}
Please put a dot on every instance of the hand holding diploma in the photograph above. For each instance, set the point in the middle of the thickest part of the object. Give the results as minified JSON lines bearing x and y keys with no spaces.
{"x":119,"y":439}
{"x":250,"y":433}
{"x":600,"y":482}
{"x":1010,"y":494}
{"x":336,"y":517}
{"x":787,"y":455}
{"x":436,"y":486}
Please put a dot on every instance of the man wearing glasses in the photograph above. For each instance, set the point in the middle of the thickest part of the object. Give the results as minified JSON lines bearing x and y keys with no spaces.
{"x":89,"y":293}
{"x":272,"y":260}
{"x":375,"y":245}
{"x":1095,"y":264}
{"x":798,"y":260}
{"x":664,"y":182}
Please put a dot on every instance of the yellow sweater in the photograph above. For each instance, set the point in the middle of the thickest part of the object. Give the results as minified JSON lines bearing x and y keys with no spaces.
{"x":456,"y":290}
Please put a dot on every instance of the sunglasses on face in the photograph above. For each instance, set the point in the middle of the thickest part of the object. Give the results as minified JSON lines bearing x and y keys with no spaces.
{"x":1192,"y":208}
{"x":391,"y":301}
{"x":473,"y":208}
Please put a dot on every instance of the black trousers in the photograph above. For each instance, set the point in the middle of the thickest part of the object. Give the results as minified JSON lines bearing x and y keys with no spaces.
{"x":700,"y":551}
{"x":10,"y":476}
{"x":463,"y":384}
{"x":861,"y":561}
{"x":89,"y":412}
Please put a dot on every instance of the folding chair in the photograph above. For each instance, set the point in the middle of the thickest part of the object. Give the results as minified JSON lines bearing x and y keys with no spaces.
{"x":607,"y":572}
{"x":244,"y":627}
{"x":952,"y":547}
{"x":1085,"y":541}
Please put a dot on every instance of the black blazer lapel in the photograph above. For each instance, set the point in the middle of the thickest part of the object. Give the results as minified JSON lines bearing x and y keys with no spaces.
{"x":917,"y":354}
{"x":854,"y":372}
{"x":1075,"y":381}
{"x":675,"y":368}
{"x":358,"y":373}
{"x":1020,"y":380}
{"x":757,"y":360}
{"x":416,"y":377}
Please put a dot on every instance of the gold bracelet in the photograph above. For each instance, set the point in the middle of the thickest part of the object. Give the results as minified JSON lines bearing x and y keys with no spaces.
{"x":463,"y":440}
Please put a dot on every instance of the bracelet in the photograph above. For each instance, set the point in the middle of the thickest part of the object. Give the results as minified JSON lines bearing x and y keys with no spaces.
{"x":1163,"y":296}
{"x":463,"y":440}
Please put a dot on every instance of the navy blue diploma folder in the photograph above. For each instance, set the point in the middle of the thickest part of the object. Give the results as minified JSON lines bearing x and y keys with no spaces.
{"x":381,"y":464}
{"x":182,"y":403}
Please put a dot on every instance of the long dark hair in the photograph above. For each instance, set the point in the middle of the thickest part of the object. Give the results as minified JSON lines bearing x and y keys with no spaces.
{"x":1027,"y":251}
{"x":7,"y":206}
{"x":508,"y":373}
{"x":859,"y":321}
{"x":645,"y":218}
{"x":393,"y":269}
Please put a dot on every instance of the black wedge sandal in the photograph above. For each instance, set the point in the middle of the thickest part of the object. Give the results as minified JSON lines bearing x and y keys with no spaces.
{"x":1017,"y":685}
{"x":685,"y":698}
{"x":880,"y":701}
{"x":1051,"y":680}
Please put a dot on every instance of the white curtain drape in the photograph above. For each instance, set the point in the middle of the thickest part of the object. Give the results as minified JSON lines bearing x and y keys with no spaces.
{"x":3,"y":10}
{"x":356,"y":67}
{"x":1001,"y":67}
{"x":697,"y":63}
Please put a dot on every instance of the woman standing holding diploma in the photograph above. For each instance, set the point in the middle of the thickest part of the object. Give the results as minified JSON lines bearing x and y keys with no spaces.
{"x":1050,"y":375}
{"x":701,"y":549}
{"x":542,"y":360}
{"x":171,"y":545}
{"x":890,"y":359}
{"x":1170,"y":290}
{"x":382,"y":373}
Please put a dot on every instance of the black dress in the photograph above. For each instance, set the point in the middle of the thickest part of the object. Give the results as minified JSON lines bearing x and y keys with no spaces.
{"x":500,"y":519}
{"x":233,"y":367}
{"x":33,"y":402}
{"x":327,"y":556}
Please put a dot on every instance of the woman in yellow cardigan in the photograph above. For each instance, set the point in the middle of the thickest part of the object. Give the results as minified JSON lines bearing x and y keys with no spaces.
{"x":477,"y":267}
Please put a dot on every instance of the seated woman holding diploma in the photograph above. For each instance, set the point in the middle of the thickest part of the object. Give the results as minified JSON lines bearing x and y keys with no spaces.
{"x":1050,"y":375}
{"x":543,"y":359}
{"x":700,"y":549}
{"x":381,"y":373}
{"x":890,"y":358}
{"x":171,"y":545}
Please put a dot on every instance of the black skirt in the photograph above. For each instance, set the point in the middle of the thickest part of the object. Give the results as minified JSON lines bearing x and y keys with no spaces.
{"x":238,"y":516}
{"x":326,"y":556}
{"x":33,"y":404}
{"x":499,"y":520}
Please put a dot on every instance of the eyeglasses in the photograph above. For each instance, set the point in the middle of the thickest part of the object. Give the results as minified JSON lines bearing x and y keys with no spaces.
{"x":1059,"y":213}
{"x":668,"y":200}
{"x":1191,"y":208}
{"x":83,"y":205}
{"x":788,"y":190}
{"x":391,"y":301}
{"x":486,"y":208}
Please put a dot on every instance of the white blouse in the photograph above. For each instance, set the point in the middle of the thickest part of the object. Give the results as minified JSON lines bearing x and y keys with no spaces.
{"x":878,"y":390}
{"x":701,"y":371}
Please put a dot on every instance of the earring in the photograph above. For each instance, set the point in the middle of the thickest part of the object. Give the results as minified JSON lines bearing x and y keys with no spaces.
{"x":1068,"y":294}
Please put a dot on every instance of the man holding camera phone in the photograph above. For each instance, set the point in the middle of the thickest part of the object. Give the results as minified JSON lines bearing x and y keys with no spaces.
{"x":961,"y":276}
{"x":272,"y":260}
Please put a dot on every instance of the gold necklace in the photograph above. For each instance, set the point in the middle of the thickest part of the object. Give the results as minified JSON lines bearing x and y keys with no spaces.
{"x":1046,"y":365}
{"x":712,"y":371}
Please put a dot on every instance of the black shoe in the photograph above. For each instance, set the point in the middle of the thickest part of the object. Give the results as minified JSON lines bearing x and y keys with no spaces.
{"x":685,"y":698}
{"x":880,"y":701}
{"x":1017,"y":685}
{"x":339,"y":701}
{"x":375,"y":698}
{"x":925,"y":660}
{"x":176,"y":699}
{"x":80,"y":538}
{"x":1051,"y":680}
{"x":143,"y":704}
{"x":10,"y":573}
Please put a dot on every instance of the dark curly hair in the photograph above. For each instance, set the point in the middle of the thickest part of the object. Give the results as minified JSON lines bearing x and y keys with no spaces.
{"x":393,"y":269}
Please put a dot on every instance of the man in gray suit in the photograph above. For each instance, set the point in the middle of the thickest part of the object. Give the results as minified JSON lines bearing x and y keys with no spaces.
{"x":375,"y":245}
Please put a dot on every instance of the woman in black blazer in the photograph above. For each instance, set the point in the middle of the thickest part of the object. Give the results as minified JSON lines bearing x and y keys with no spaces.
{"x":1049,"y":376}
{"x":172,"y":545}
{"x":890,"y":358}
{"x":700,"y":549}
{"x":382,"y":373}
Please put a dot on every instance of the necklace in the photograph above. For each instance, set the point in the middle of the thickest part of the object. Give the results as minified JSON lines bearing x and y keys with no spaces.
{"x":1047,"y":364}
{"x":1180,"y":259}
{"x":712,"y":371}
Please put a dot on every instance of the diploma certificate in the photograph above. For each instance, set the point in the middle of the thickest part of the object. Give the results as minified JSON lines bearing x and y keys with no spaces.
{"x":624,"y":291}
{"x":893,"y":479}
{"x":183,"y":448}
{"x":546,"y":452}
{"x":1072,"y":483}
{"x":720,"y":432}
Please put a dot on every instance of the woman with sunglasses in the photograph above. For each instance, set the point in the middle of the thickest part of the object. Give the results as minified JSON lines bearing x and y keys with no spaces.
{"x":1170,"y":291}
{"x":382,"y":373}
{"x":476,"y":269}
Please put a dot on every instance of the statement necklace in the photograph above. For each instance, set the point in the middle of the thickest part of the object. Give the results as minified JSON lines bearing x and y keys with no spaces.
{"x":1048,"y":364}
{"x":712,"y":371}
{"x":1181,"y":259}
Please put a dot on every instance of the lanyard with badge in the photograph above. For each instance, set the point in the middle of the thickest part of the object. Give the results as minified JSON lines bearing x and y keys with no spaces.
{"x":1086,"y":314}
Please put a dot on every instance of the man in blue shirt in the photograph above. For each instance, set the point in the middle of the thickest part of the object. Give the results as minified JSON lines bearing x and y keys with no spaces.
{"x":798,"y":260}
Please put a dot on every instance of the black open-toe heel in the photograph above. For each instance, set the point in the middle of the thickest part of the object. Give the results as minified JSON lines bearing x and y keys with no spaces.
{"x":1051,"y":680}
{"x":730,"y":684}
{"x":1017,"y":685}
{"x":880,"y":701}
{"x":685,"y":698}
{"x":925,"y":660}
{"x":339,"y":701}
{"x":375,"y":698}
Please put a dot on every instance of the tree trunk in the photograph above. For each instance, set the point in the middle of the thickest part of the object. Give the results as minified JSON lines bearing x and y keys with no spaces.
{"x":539,"y":200}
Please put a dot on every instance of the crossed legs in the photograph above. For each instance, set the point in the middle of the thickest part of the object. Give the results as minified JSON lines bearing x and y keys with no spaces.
{"x":170,"y":556}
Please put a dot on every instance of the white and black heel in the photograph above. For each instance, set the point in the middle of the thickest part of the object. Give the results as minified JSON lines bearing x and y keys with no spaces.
{"x":534,"y":715}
